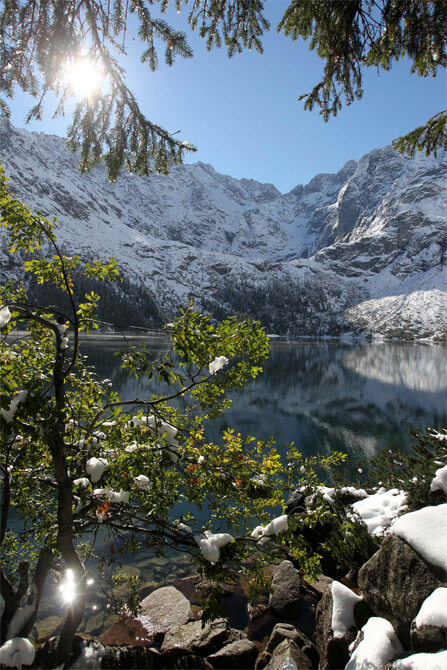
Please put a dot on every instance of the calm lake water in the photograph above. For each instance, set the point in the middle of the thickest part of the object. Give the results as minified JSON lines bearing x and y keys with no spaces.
{"x":321,"y":395}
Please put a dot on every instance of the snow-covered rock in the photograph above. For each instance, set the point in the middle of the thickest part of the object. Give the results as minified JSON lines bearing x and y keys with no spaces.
{"x":377,"y":643}
{"x":369,"y":239}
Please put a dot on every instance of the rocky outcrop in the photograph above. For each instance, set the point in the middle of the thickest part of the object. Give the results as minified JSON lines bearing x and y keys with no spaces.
{"x":395,"y":582}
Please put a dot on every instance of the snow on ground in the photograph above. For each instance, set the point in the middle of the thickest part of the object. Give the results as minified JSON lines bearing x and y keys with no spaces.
{"x":379,"y":509}
{"x":343,"y":603}
{"x":437,"y":661}
{"x":425,"y":531}
{"x":380,"y":644}
{"x":434,"y":610}
{"x":416,"y":312}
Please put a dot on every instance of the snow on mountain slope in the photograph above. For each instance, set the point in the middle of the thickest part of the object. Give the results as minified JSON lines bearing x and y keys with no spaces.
{"x":371,"y":239}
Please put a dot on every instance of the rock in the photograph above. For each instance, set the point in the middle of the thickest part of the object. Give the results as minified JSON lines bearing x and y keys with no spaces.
{"x":127,"y":632}
{"x":236,"y":655}
{"x":319,"y":586}
{"x":285,"y":599}
{"x":428,"y":638}
{"x":295,"y":503}
{"x":285,"y":631}
{"x":202,"y":639}
{"x":395,"y":582}
{"x":333,"y":651}
{"x":190,"y":662}
{"x":128,"y":657}
{"x":286,"y":652}
{"x":164,"y":609}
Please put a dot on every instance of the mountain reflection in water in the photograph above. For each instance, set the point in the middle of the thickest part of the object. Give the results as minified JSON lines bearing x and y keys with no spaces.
{"x":321,"y":395}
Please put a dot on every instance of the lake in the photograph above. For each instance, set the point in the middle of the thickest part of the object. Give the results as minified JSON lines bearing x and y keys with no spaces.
{"x":321,"y":395}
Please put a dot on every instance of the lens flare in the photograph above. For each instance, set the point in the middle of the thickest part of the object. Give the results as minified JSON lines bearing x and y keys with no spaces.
{"x":68,"y":588}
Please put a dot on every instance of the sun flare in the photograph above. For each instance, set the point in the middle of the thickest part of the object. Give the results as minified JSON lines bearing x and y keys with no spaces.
{"x":84,"y":77}
{"x":68,"y":588}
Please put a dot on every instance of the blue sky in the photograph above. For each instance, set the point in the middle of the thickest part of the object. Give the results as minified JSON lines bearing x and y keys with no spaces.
{"x":243,"y":114}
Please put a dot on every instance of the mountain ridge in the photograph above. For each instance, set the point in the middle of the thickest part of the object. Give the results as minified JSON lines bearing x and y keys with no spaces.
{"x":311,"y":261}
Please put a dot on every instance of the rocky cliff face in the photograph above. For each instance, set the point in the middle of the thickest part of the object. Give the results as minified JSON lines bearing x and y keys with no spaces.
{"x":364,"y":248}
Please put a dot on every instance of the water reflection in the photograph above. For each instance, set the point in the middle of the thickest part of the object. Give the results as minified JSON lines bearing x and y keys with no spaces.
{"x":321,"y":395}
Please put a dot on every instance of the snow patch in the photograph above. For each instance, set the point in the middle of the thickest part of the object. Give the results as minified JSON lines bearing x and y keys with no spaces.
{"x":343,"y":603}
{"x":378,"y":510}
{"x":433,"y":610}
{"x":379,"y":645}
{"x":424,"y":530}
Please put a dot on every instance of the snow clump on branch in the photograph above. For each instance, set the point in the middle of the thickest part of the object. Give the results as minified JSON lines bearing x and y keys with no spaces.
{"x":211,"y":543}
{"x":276,"y":526}
{"x":95,"y":468}
{"x":217,"y":364}
{"x":5,"y":316}
{"x":8,"y":414}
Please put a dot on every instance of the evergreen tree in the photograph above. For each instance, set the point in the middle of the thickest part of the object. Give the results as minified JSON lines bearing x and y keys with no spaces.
{"x":349,"y":36}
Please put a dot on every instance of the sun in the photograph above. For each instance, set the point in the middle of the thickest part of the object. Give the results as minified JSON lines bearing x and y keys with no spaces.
{"x":84,"y":77}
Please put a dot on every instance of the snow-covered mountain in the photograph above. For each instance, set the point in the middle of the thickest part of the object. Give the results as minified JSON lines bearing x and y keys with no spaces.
{"x":364,"y":248}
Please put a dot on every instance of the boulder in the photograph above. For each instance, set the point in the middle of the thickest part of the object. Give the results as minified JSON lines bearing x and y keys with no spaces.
{"x":285,"y":631}
{"x":333,"y":651}
{"x":237,"y":655}
{"x":126,"y":632}
{"x":197,"y":637}
{"x":164,"y":609}
{"x":284,"y":654}
{"x":319,"y":586}
{"x":428,"y":638}
{"x":285,"y":599}
{"x":395,"y":582}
